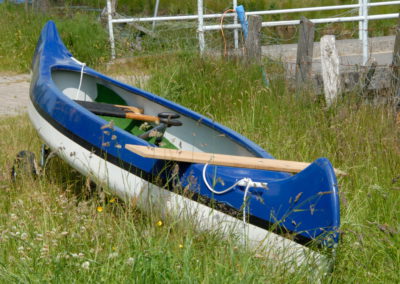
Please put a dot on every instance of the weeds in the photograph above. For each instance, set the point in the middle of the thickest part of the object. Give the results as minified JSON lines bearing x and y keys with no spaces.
{"x":357,"y":137}
{"x":86,"y":37}
{"x":57,"y":228}
{"x":53,"y":230}
{"x":82,"y":34}
{"x":53,"y":224}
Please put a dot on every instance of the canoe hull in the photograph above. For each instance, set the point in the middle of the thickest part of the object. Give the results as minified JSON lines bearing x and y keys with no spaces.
{"x":304,"y":207}
{"x":148,"y":196}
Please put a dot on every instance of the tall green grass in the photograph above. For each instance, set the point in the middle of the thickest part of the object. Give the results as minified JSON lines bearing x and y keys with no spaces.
{"x":51,"y":229}
{"x":20,"y":30}
{"x":356,"y":135}
{"x":59,"y":229}
{"x":87,"y":38}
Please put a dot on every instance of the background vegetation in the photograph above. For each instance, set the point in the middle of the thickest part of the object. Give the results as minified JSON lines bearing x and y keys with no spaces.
{"x":58,"y":228}
{"x":86,"y":36}
{"x":19,"y":30}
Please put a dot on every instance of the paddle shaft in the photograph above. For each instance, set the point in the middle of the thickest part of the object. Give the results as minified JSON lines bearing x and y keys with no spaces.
{"x":142,"y":117}
{"x":130,"y":108}
{"x":220,"y":159}
{"x":117,"y":111}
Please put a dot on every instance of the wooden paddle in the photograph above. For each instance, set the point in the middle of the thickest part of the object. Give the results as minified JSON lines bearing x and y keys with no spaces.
{"x":221,"y":160}
{"x":130,"y":112}
{"x":98,"y":107}
{"x":131,"y":108}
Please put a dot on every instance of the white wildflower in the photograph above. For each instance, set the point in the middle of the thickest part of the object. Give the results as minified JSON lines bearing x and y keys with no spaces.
{"x":85,"y":265}
{"x":113,"y":255}
{"x":130,"y":261}
{"x":44,"y":249}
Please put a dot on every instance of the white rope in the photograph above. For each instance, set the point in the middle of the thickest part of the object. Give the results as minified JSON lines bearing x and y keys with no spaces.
{"x":80,"y":82}
{"x":214,"y":191}
{"x":248,"y":182}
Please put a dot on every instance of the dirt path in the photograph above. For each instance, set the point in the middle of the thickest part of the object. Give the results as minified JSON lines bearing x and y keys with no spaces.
{"x":14,"y":94}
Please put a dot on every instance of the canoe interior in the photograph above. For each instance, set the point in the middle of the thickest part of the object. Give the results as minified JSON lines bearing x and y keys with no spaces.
{"x":191,"y":136}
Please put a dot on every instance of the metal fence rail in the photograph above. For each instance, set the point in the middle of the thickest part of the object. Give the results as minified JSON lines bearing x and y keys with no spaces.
{"x":363,"y":18}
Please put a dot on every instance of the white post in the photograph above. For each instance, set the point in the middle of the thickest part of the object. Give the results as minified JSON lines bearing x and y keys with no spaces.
{"x":110,"y":29}
{"x":200,"y":29}
{"x":235,"y":31}
{"x":365,"y":33}
{"x":330,"y":68}
{"x":360,"y":23}
{"x":155,"y":14}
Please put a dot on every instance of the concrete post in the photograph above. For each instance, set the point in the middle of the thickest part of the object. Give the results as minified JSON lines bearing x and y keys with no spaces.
{"x":235,"y":21}
{"x":200,"y":28}
{"x":365,"y":33}
{"x":155,"y":14}
{"x":110,"y":29}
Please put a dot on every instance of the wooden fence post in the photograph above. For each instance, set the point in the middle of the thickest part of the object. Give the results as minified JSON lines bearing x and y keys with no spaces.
{"x":42,"y":6}
{"x":330,"y":68}
{"x":396,"y":63}
{"x":368,"y":77}
{"x":114,"y":4}
{"x":252,"y":43}
{"x":304,"y":52}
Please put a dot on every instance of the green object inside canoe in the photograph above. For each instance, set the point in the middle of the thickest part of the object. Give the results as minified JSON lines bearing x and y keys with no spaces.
{"x":135,"y":127}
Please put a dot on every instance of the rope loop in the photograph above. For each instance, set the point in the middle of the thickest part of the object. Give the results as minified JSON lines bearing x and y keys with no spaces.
{"x":247,"y":182}
{"x":80,"y":82}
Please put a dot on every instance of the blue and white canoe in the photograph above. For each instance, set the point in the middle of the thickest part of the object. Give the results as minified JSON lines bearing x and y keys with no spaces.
{"x":288,"y":216}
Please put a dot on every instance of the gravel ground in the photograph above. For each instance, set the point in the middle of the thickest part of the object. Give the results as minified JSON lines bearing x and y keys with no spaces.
{"x":14,"y":94}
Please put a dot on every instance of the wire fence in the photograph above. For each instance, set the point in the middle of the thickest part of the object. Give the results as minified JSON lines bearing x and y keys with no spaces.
{"x":173,"y":36}
{"x":181,"y":36}
{"x":361,"y":8}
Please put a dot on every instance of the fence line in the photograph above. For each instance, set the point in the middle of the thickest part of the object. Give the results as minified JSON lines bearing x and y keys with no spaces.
{"x":362,"y":18}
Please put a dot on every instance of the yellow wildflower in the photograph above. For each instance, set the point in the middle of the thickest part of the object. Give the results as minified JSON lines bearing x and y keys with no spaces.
{"x":159,"y":223}
{"x":180,"y":246}
{"x":99,"y":209}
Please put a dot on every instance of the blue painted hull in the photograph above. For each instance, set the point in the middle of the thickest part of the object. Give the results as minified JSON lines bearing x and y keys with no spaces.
{"x":303,"y":207}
